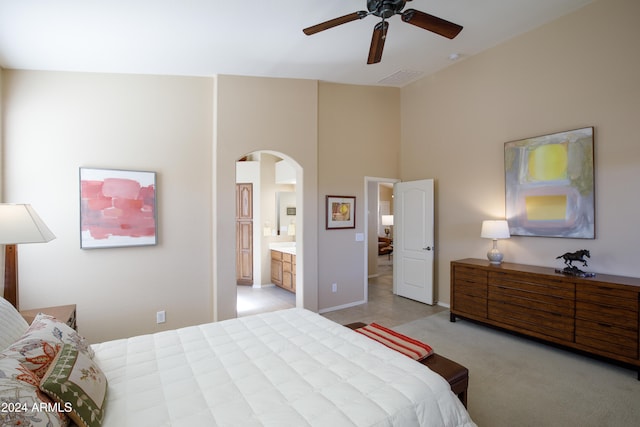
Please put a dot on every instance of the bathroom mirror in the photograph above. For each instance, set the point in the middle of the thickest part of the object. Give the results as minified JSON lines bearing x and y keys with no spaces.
{"x":285,"y":212}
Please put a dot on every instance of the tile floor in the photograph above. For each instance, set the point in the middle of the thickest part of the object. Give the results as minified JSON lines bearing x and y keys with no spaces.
{"x":252,"y":300}
{"x":383,"y":307}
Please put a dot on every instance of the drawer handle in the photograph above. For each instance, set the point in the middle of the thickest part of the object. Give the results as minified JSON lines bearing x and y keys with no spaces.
{"x":604,"y":325}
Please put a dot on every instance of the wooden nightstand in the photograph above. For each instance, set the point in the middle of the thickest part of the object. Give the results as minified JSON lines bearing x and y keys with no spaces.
{"x":64,"y":313}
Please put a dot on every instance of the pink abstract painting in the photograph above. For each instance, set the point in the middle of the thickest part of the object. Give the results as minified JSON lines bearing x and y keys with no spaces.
{"x":117,"y":208}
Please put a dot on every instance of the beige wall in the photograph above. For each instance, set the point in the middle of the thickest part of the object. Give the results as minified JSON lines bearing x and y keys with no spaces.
{"x":359,"y":130}
{"x":581,"y":70}
{"x":578,"y":71}
{"x":191,"y":131}
{"x":277,"y":115}
{"x":57,"y":122}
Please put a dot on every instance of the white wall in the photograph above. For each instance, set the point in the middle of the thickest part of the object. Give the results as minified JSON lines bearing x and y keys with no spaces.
{"x":57,"y":122}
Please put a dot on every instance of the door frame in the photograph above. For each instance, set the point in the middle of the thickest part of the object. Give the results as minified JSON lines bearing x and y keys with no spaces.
{"x":367,"y":215}
{"x":303,"y":293}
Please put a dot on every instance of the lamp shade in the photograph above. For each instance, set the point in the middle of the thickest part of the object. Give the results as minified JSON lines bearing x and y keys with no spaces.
{"x":387,"y":219}
{"x":495,"y":229}
{"x":19,"y":223}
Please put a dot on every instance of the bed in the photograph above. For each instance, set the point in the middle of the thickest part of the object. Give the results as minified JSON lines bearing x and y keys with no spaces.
{"x":287,"y":368}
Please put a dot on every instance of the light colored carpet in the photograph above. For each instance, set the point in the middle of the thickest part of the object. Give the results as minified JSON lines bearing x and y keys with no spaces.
{"x":517,"y":382}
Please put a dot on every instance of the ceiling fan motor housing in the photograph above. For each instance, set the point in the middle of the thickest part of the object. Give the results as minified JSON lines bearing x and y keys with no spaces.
{"x":385,"y":8}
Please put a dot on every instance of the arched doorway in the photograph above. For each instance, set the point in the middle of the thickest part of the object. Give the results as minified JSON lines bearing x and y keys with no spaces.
{"x":267,"y":232}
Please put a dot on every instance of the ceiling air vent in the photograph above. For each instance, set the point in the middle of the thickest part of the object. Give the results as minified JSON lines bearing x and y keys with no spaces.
{"x":400,"y":78}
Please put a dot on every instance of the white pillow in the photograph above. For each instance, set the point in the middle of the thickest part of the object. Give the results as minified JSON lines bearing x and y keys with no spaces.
{"x":13,"y":324}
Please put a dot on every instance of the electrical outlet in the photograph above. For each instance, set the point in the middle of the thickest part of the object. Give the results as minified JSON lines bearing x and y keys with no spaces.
{"x":334,"y":287}
{"x":161,"y":317}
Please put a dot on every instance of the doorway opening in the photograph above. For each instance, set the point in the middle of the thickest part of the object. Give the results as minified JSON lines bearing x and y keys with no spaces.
{"x":378,"y":256}
{"x":267,"y":224}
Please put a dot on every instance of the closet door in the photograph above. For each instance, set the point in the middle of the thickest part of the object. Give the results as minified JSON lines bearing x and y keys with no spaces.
{"x":244,"y":234}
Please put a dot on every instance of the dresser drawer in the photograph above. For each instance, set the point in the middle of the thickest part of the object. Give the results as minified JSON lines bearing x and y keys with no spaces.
{"x":470,"y":282}
{"x":607,"y":319}
{"x":523,"y":301}
{"x":607,"y":314}
{"x":608,"y":296}
{"x":470,"y":288}
{"x":607,"y":291}
{"x":470,"y":275}
{"x":533,"y":285}
{"x":471,"y":305}
{"x":618,"y":307}
{"x":531,"y":319}
{"x":607,"y":339}
{"x":469,"y":291}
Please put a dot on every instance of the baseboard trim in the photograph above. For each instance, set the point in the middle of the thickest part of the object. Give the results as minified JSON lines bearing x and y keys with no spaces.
{"x":340,"y":307}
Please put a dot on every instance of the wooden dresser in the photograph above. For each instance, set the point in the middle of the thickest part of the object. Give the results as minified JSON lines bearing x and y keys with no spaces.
{"x":598,"y":315}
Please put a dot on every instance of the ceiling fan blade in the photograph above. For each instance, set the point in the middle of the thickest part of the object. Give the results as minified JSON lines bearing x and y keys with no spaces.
{"x":335,"y":22}
{"x":432,"y":23}
{"x":377,"y":42}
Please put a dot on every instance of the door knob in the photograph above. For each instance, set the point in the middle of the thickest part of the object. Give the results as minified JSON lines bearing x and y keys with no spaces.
{"x":428,"y":248}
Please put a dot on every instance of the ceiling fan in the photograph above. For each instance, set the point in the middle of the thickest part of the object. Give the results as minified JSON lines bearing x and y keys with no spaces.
{"x":385,"y":9}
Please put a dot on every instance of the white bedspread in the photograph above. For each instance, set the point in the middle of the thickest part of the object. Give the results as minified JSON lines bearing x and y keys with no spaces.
{"x":286,"y":368}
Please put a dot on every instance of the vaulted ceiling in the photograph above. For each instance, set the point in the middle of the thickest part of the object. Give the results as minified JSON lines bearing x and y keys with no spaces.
{"x":254,"y":37}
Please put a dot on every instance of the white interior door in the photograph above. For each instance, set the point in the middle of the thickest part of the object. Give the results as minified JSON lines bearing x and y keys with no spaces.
{"x":413,"y":247}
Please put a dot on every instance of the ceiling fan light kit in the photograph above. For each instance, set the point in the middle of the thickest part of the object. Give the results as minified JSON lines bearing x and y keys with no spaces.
{"x":386,"y":9}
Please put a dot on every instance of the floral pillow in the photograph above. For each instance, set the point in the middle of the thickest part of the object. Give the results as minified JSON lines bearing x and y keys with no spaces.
{"x":39,"y":345}
{"x":22,"y":403}
{"x":74,"y":379}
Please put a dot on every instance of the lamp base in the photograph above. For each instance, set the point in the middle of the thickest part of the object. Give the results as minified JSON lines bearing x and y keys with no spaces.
{"x":11,"y":275}
{"x":495,"y":257}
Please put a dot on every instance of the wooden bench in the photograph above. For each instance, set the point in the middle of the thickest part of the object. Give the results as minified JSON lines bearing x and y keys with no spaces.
{"x":456,"y":375}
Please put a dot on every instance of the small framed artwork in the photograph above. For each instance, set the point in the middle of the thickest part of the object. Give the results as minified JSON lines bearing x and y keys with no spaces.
{"x":341,"y":212}
{"x":549,"y":183}
{"x":117,"y":208}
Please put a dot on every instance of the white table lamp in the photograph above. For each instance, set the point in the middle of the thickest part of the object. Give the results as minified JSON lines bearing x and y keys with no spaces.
{"x":495,"y":229}
{"x":387,"y":221}
{"x":18,"y":224}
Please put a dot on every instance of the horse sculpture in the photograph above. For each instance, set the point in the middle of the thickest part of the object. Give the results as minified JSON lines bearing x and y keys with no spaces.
{"x":569,"y":257}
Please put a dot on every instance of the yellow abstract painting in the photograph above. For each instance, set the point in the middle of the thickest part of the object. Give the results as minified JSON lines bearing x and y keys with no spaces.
{"x":549,"y":185}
